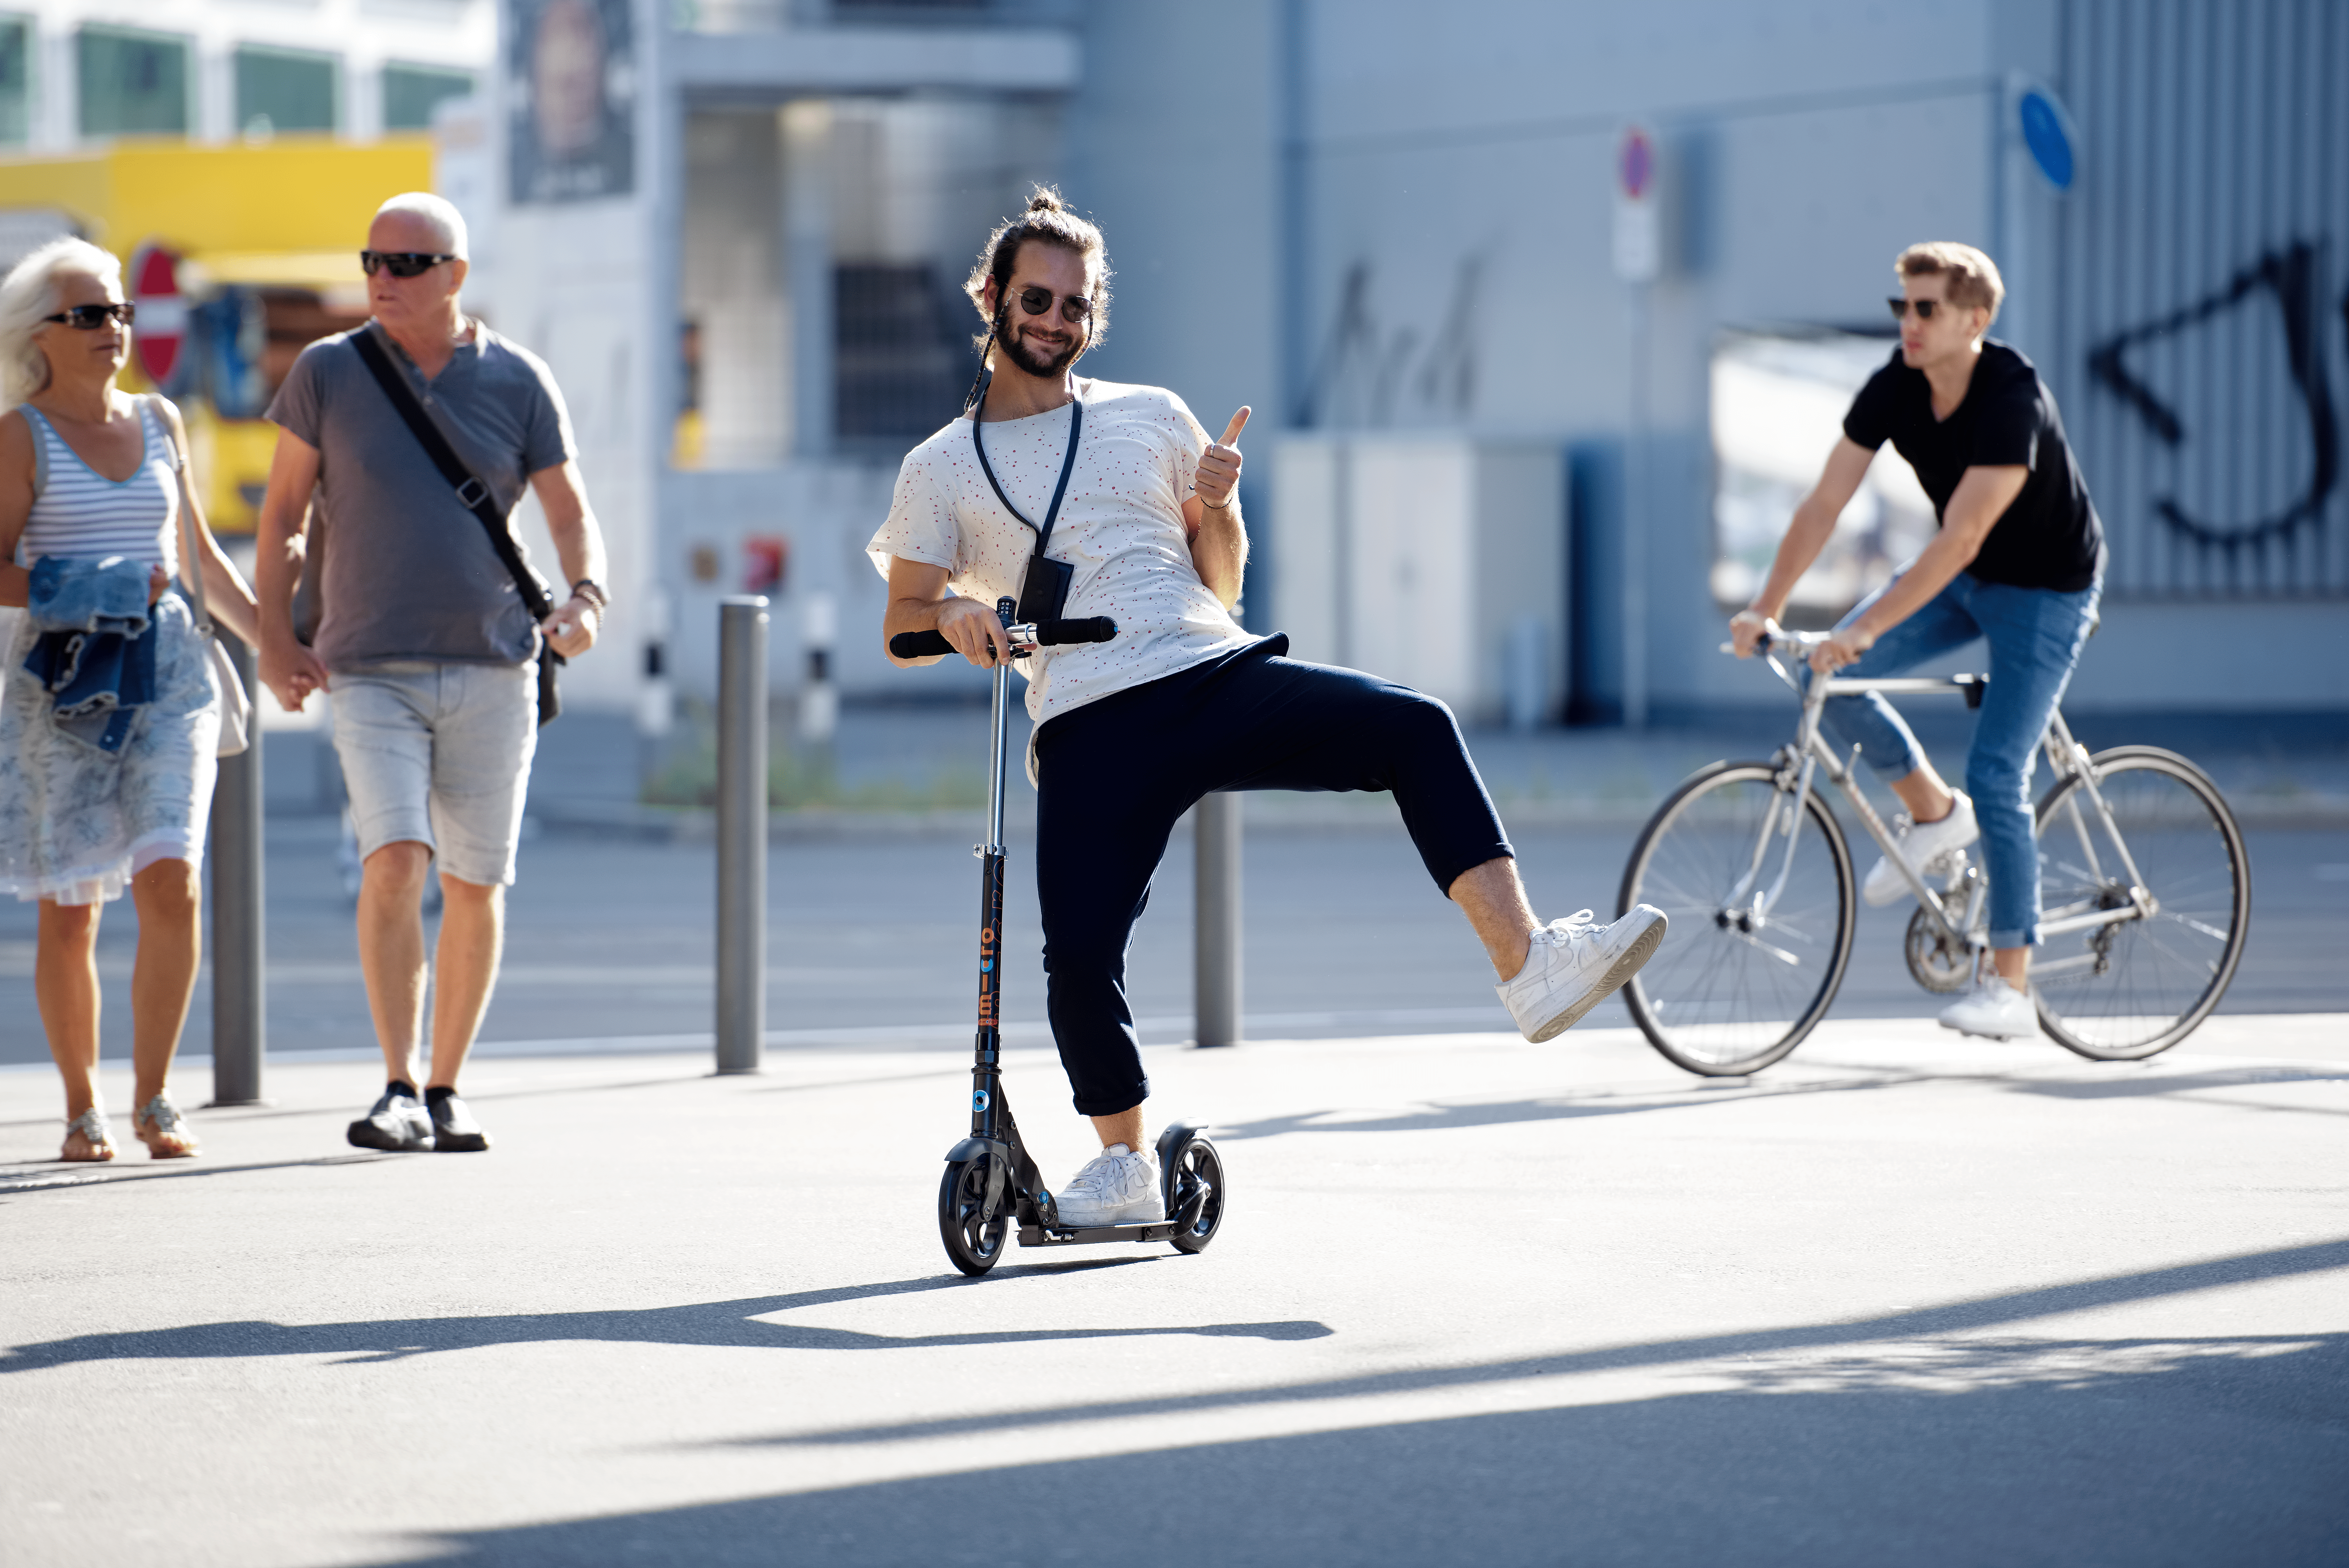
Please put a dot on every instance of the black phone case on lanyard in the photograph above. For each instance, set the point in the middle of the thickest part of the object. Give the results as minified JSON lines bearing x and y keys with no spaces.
{"x":1044,"y":592}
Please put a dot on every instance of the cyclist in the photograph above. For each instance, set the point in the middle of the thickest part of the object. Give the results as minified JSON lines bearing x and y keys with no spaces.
{"x":1129,"y":734}
{"x":2019,"y":562}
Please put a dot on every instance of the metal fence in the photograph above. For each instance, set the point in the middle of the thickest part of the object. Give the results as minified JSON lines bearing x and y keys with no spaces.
{"x":2204,"y":333}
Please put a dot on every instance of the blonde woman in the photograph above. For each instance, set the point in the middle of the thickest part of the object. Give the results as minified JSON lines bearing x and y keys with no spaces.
{"x":108,"y":716}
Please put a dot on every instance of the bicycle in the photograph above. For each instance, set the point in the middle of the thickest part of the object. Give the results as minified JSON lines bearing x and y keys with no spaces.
{"x":2145,"y":895}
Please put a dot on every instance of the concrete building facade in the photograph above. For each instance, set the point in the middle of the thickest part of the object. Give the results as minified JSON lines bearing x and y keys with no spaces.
{"x":1389,"y":226}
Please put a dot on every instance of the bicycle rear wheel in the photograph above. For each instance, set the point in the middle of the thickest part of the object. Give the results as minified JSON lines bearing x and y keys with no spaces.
{"x":1727,"y":994}
{"x":2134,"y":988}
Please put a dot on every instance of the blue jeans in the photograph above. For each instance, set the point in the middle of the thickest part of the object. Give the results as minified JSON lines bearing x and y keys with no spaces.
{"x":2035,"y":635}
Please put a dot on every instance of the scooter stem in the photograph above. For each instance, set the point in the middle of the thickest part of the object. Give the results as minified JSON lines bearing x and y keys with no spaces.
{"x":996,"y":758}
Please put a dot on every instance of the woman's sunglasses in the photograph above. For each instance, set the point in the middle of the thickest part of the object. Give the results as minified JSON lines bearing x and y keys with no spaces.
{"x":1073,"y":307}
{"x":400,"y":264}
{"x":90,"y":317}
{"x":1925,"y":308}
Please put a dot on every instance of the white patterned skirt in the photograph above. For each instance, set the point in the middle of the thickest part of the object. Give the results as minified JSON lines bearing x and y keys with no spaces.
{"x":78,"y":823}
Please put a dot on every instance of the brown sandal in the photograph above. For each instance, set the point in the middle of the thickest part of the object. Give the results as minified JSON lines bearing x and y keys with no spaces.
{"x":96,"y":1139}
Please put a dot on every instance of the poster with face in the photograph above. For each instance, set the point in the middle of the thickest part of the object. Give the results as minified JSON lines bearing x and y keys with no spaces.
{"x":571,"y":92}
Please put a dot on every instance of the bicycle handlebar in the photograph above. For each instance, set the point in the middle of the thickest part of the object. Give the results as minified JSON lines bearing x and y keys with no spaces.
{"x":1796,"y":639}
{"x":1044,"y":634}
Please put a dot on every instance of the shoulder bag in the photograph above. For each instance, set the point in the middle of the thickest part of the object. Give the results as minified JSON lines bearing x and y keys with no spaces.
{"x":477,"y":500}
{"x":236,"y":702}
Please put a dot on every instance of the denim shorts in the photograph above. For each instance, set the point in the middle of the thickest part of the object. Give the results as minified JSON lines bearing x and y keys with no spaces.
{"x":438,"y":754}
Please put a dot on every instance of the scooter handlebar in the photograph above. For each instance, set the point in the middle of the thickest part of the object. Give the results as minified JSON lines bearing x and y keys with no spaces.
{"x":1090,"y":629}
{"x":919,"y":644}
{"x":1048,"y":633}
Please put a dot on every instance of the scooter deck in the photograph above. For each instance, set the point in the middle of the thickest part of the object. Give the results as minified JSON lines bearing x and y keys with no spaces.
{"x":1154,"y":1230}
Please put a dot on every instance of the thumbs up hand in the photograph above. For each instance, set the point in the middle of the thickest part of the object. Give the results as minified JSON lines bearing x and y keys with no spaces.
{"x":1219,"y":467}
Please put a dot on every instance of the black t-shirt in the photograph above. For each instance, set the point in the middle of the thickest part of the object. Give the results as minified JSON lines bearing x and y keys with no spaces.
{"x":2049,"y":536}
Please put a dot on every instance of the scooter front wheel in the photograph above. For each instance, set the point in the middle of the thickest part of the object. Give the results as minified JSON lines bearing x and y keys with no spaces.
{"x":975,"y":1239}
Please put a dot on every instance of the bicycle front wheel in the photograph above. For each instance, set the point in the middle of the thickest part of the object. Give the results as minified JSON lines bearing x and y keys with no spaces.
{"x":2127,"y":988}
{"x":1731,"y":991}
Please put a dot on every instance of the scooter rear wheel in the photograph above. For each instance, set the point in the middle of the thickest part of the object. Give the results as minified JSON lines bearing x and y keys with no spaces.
{"x":1196,"y":1165}
{"x":975,"y":1239}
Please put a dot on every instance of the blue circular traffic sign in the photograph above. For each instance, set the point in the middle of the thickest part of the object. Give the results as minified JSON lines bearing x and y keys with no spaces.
{"x":2045,"y":133}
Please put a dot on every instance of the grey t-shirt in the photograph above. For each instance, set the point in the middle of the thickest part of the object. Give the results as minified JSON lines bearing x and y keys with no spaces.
{"x":408,"y":571}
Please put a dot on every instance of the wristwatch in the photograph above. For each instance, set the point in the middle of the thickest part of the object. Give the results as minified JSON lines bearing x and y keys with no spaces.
{"x":587,"y":588}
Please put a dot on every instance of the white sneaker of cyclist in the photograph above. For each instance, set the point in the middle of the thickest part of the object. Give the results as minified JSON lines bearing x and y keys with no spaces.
{"x":1924,"y":845}
{"x":1993,"y":1010}
{"x":1117,"y":1187}
{"x":1573,"y":965}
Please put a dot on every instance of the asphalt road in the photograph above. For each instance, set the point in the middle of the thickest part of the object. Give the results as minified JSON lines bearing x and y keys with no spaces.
{"x":874,"y":939}
{"x":1902,"y":1299}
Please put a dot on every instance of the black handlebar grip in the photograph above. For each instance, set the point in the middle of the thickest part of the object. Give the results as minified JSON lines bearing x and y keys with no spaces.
{"x":1091,"y":629}
{"x":919,"y":644}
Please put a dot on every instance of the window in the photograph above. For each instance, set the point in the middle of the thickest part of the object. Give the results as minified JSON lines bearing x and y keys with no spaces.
{"x":283,"y":90}
{"x":132,"y":82}
{"x":15,"y":77}
{"x":411,"y":94}
{"x":1778,"y":403}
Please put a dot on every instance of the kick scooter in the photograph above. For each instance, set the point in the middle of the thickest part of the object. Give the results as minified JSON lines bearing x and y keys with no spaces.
{"x":991,"y":1181}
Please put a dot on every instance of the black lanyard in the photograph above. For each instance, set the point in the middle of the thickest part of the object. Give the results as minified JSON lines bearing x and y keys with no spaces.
{"x":1068,"y":466}
{"x":1044,"y":590}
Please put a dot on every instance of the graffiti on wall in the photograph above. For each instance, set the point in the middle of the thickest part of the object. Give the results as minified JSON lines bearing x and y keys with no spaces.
{"x":1369,"y":375}
{"x":2287,"y":280}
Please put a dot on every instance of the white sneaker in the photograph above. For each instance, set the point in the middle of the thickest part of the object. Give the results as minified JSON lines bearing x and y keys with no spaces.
{"x":1573,"y":965}
{"x":1994,"y":1010}
{"x":1926,"y":846}
{"x":1117,"y":1187}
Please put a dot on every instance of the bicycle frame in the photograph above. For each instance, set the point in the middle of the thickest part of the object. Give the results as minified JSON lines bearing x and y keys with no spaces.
{"x":1799,"y":763}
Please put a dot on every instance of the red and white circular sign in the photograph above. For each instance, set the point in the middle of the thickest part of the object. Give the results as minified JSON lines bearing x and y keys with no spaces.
{"x":162,"y":326}
{"x":1636,"y":167}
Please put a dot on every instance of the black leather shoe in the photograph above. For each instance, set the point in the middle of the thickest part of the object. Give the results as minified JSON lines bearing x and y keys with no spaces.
{"x":454,"y":1131}
{"x":397,"y":1125}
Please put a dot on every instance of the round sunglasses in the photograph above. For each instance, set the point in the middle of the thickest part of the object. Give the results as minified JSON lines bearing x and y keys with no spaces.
{"x":400,"y":264}
{"x":1074,"y":308}
{"x":90,"y":317}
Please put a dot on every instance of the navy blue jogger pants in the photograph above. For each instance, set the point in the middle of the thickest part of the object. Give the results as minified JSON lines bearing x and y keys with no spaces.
{"x":1112,"y":778}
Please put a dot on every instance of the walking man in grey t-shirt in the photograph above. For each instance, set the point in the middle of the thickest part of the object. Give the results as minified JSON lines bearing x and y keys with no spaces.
{"x":423,"y":638}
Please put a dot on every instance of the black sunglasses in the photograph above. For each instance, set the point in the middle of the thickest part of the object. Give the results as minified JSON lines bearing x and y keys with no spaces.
{"x":90,"y":317}
{"x":400,"y":264}
{"x":1073,"y":307}
{"x":1925,"y":308}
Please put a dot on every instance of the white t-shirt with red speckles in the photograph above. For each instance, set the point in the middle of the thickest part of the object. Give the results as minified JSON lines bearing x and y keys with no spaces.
{"x":1121,"y":526}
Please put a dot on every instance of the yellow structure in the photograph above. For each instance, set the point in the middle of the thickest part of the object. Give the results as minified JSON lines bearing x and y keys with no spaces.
{"x":285,"y":218}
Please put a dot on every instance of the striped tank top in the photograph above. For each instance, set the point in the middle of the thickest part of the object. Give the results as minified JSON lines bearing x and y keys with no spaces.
{"x":78,"y":511}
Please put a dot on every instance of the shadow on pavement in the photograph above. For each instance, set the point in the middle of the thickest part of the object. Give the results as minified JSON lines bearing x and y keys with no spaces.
{"x":2192,"y":1453}
{"x":49,"y":1175}
{"x":1957,"y":1317}
{"x":724,"y":1324}
{"x":1441,"y":1115}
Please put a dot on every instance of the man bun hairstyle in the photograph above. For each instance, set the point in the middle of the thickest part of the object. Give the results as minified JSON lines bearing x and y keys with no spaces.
{"x":1048,"y":221}
{"x":1972,"y":276}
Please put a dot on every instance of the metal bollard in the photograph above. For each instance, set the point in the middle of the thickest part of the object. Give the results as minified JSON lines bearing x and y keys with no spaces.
{"x":240,"y":997}
{"x":741,"y":832}
{"x":1216,"y":950}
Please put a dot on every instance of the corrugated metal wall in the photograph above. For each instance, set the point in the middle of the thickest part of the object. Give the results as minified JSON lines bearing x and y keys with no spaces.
{"x":2203,"y":266}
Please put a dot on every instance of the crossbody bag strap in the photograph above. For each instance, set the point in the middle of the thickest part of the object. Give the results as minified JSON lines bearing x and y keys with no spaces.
{"x":1068,"y":466}
{"x":474,"y":494}
{"x":191,"y":564}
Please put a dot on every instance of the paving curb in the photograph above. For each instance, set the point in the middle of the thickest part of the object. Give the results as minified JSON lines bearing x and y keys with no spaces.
{"x":1266,"y":813}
